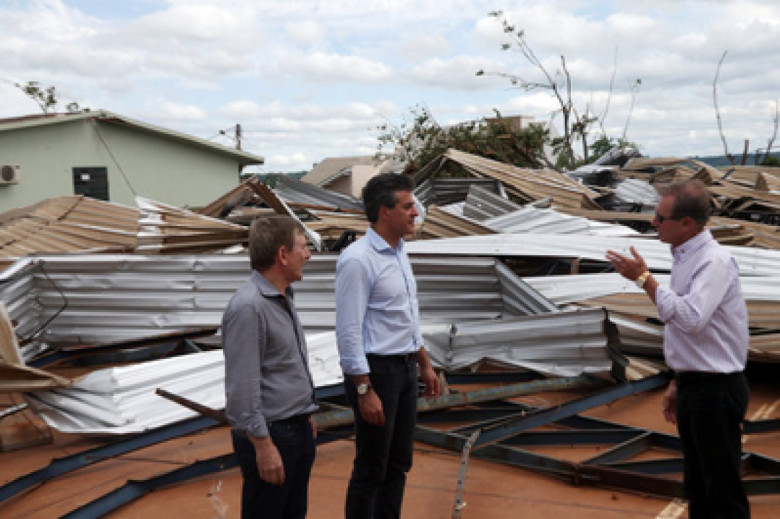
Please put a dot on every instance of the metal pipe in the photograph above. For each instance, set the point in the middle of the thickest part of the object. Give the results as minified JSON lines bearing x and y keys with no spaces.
{"x":343,"y":417}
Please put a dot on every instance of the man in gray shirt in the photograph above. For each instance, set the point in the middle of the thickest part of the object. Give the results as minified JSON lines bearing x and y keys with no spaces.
{"x":268,"y":385}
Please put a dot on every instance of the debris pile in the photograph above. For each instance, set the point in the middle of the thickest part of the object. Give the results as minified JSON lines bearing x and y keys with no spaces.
{"x":103,"y":304}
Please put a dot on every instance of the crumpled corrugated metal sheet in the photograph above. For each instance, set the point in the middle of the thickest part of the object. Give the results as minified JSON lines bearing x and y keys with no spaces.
{"x":523,"y":185}
{"x":530,"y":220}
{"x":752,"y":261}
{"x":67,"y":224}
{"x":122,"y":400}
{"x":557,"y":344}
{"x":109,"y":298}
{"x":296,"y":192}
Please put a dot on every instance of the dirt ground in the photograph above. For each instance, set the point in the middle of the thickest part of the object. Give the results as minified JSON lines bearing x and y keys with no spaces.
{"x":491,"y":490}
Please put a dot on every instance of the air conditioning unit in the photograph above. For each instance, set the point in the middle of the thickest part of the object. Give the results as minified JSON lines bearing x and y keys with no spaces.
{"x":9,"y":174}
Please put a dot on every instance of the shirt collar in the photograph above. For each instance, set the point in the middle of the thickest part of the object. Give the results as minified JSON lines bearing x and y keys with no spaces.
{"x":265,"y":287}
{"x":380,"y":244}
{"x":694,"y":243}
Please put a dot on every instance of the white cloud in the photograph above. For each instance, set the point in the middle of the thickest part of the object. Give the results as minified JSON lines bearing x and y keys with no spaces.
{"x":458,"y":72}
{"x":293,"y":160}
{"x":305,"y":32}
{"x":310,"y":79}
{"x":178,"y":112}
{"x":320,"y":66}
{"x":417,"y":47}
{"x":202,"y":21}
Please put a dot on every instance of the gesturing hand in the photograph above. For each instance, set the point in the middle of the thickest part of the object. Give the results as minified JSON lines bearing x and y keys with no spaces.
{"x":630,"y":268}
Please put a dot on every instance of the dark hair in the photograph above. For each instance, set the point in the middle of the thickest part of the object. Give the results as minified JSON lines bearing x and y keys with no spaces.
{"x":266,"y":235}
{"x":380,"y":191}
{"x":692,"y":199}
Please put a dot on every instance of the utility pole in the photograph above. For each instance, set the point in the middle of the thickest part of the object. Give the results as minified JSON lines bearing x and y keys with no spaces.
{"x":238,"y":136}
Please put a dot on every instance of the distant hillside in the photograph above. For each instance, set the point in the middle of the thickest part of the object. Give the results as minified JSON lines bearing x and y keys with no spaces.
{"x":719,"y":161}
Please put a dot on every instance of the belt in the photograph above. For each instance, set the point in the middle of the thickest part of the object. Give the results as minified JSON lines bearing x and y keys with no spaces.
{"x":405,"y":358}
{"x":295,"y":419}
{"x":701,"y":376}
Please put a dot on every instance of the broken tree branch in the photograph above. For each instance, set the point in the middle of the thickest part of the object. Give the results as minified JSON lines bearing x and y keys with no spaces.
{"x":717,"y":109}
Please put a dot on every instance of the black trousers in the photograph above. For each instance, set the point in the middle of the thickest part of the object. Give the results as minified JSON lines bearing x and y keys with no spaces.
{"x":710,"y":410}
{"x":294,"y":440}
{"x":383,"y":455}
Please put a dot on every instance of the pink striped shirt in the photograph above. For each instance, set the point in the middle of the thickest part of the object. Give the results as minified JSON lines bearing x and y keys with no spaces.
{"x":703,"y":309}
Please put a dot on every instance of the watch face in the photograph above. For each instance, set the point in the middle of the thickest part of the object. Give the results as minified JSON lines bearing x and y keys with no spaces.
{"x":362,"y":389}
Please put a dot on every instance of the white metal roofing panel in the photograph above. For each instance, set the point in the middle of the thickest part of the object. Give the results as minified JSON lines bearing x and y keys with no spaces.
{"x":549,"y":221}
{"x":560,"y":344}
{"x":106,"y":298}
{"x":296,"y":191}
{"x":752,"y":261}
{"x":656,"y":254}
{"x":569,"y":289}
{"x":637,"y":191}
{"x":482,"y":203}
{"x":122,"y":400}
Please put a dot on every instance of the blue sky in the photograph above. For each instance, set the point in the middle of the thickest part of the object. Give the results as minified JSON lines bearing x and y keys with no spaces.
{"x":310,"y":79}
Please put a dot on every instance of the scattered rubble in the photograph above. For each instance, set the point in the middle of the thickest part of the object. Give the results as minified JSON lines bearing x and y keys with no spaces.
{"x":103,"y":304}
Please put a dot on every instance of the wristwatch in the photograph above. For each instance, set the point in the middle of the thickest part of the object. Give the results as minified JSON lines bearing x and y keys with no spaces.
{"x":363,"y":388}
{"x":641,"y":280}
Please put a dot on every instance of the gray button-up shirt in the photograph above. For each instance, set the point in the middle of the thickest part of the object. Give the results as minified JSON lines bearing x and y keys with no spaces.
{"x":267,"y":374}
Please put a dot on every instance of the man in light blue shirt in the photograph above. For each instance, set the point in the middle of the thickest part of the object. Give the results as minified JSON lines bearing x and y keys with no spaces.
{"x":381,"y":347}
{"x":705,"y":342}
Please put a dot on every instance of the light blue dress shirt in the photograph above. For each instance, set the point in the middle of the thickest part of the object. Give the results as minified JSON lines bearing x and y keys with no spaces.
{"x":376,"y":303}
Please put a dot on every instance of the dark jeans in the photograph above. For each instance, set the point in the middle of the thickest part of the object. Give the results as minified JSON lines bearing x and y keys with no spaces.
{"x":710,"y":410}
{"x":383,"y":455}
{"x":295,"y":442}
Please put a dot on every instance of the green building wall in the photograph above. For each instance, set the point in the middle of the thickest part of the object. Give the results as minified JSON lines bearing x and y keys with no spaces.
{"x":138,"y":162}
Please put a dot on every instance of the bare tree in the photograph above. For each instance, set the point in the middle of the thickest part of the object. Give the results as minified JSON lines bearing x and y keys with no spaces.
{"x":746,"y":149}
{"x":770,"y":142}
{"x":576,"y":125}
{"x":558,"y":83}
{"x":717,"y":109}
{"x":603,"y":116}
{"x":633,"y":87}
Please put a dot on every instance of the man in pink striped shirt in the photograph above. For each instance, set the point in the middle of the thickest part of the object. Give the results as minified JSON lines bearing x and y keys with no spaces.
{"x":705,"y":342}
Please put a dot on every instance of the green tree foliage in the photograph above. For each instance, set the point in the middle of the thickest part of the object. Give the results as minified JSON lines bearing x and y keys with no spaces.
{"x":46,"y":98}
{"x":420,"y":139}
{"x":772,"y":161}
{"x":270,"y":178}
{"x":604,"y":144}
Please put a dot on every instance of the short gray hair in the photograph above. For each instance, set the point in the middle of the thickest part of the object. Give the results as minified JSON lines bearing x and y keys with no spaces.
{"x":266,"y":235}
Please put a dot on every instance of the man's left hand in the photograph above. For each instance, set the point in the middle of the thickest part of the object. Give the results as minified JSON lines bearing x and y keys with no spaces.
{"x":630,"y":268}
{"x":432,"y":383}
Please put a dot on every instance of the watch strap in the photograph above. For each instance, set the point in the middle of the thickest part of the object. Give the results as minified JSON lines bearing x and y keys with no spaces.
{"x":642,"y":279}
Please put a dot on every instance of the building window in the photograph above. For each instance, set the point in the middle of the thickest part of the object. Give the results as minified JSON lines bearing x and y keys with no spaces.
{"x":91,"y":182}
